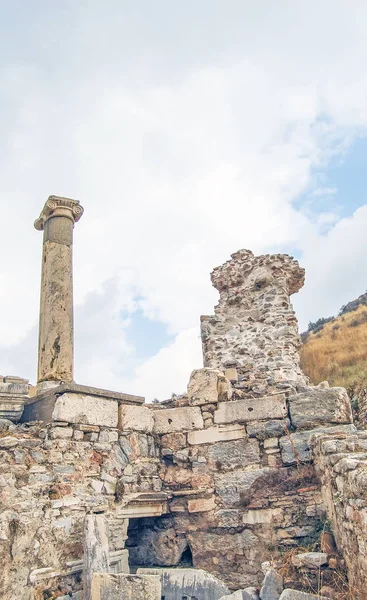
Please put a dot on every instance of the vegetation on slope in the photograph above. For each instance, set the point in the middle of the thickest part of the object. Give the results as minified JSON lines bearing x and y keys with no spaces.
{"x":338,"y":351}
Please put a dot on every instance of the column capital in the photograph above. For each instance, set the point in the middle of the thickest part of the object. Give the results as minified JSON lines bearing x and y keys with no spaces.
{"x":57,"y":206}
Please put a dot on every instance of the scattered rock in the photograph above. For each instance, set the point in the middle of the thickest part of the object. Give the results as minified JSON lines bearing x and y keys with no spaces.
{"x":311,"y":560}
{"x":296,"y":595}
{"x":272,"y":586}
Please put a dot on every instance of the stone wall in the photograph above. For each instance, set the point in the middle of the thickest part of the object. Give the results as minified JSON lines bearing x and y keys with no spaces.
{"x":342,"y":466}
{"x":221,"y":478}
{"x":254,"y":327}
{"x":50,"y":478}
{"x":238,"y":474}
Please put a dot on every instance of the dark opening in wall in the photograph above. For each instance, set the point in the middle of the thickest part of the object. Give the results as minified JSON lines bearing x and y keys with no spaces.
{"x":154,"y":542}
{"x":186,"y":559}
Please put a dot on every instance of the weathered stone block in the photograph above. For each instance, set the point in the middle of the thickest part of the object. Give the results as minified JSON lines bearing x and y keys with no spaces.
{"x":231,"y":485}
{"x":247,"y":594}
{"x":296,"y":447}
{"x":78,"y":408}
{"x":267,"y":515}
{"x":216,"y":434}
{"x":106,"y":586}
{"x":267,"y":429}
{"x":207,"y":386}
{"x":234,"y":454}
{"x":241,"y":411}
{"x":310,"y":560}
{"x":136,"y":418}
{"x":272,"y":586}
{"x":296,"y":595}
{"x":201,"y":505}
{"x":190,"y":583}
{"x":319,"y":406}
{"x":171,"y":420}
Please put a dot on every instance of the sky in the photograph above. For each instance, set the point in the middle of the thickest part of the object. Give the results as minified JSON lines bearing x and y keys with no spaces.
{"x":187,"y":130}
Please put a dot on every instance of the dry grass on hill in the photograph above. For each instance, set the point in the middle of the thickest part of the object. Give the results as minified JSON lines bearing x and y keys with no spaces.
{"x":338,"y":353}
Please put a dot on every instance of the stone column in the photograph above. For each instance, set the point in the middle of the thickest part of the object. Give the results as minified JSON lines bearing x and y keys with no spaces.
{"x":56,"y":329}
{"x":96,"y":550}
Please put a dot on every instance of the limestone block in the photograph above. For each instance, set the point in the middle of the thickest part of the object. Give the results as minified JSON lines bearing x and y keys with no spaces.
{"x":191,"y":583}
{"x":296,"y":447}
{"x":272,"y":586}
{"x":90,"y":410}
{"x":265,"y":429}
{"x":247,"y":594}
{"x":311,"y":560}
{"x":107,"y":586}
{"x":320,"y":406}
{"x":266,"y":515}
{"x":296,"y":595}
{"x":256,"y":409}
{"x":201,"y":505}
{"x":13,"y":395}
{"x":171,"y":420}
{"x":136,"y":418}
{"x":216,"y":434}
{"x":234,"y":454}
{"x":207,"y":386}
{"x":96,"y":556}
{"x":232,"y":485}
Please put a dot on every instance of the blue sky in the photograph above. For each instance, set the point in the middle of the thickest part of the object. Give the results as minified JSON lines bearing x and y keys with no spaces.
{"x":187,"y":131}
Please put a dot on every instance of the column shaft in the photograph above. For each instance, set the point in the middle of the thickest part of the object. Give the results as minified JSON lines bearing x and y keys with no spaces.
{"x":56,"y":326}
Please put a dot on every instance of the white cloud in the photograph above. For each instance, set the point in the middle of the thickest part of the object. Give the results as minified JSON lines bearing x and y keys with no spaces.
{"x":186,"y":134}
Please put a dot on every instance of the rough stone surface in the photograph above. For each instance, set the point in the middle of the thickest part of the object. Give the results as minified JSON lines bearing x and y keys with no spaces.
{"x":79,"y":408}
{"x":254,"y":327}
{"x":341,"y":462}
{"x":126,"y":587}
{"x":216,"y":434}
{"x":56,"y":330}
{"x":178,"y":419}
{"x":207,"y":386}
{"x":295,"y":595}
{"x":96,"y":555}
{"x":296,"y":446}
{"x":317,"y":406}
{"x":247,"y":594}
{"x":193,"y":583}
{"x":242,"y":411}
{"x":13,"y":395}
{"x":311,"y":560}
{"x":272,"y":586}
{"x":137,"y":418}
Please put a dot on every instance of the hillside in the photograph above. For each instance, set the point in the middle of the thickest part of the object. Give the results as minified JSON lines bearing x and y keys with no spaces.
{"x":335,"y":349}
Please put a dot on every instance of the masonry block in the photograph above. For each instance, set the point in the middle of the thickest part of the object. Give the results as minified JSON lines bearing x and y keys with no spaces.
{"x":178,"y":419}
{"x":207,"y":386}
{"x":256,"y":409}
{"x":136,"y":418}
{"x":106,"y":586}
{"x":216,"y":434}
{"x":79,"y":408}
{"x":318,"y":406}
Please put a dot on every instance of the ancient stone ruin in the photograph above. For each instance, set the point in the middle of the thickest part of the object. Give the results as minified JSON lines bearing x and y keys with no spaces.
{"x":106,"y":497}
